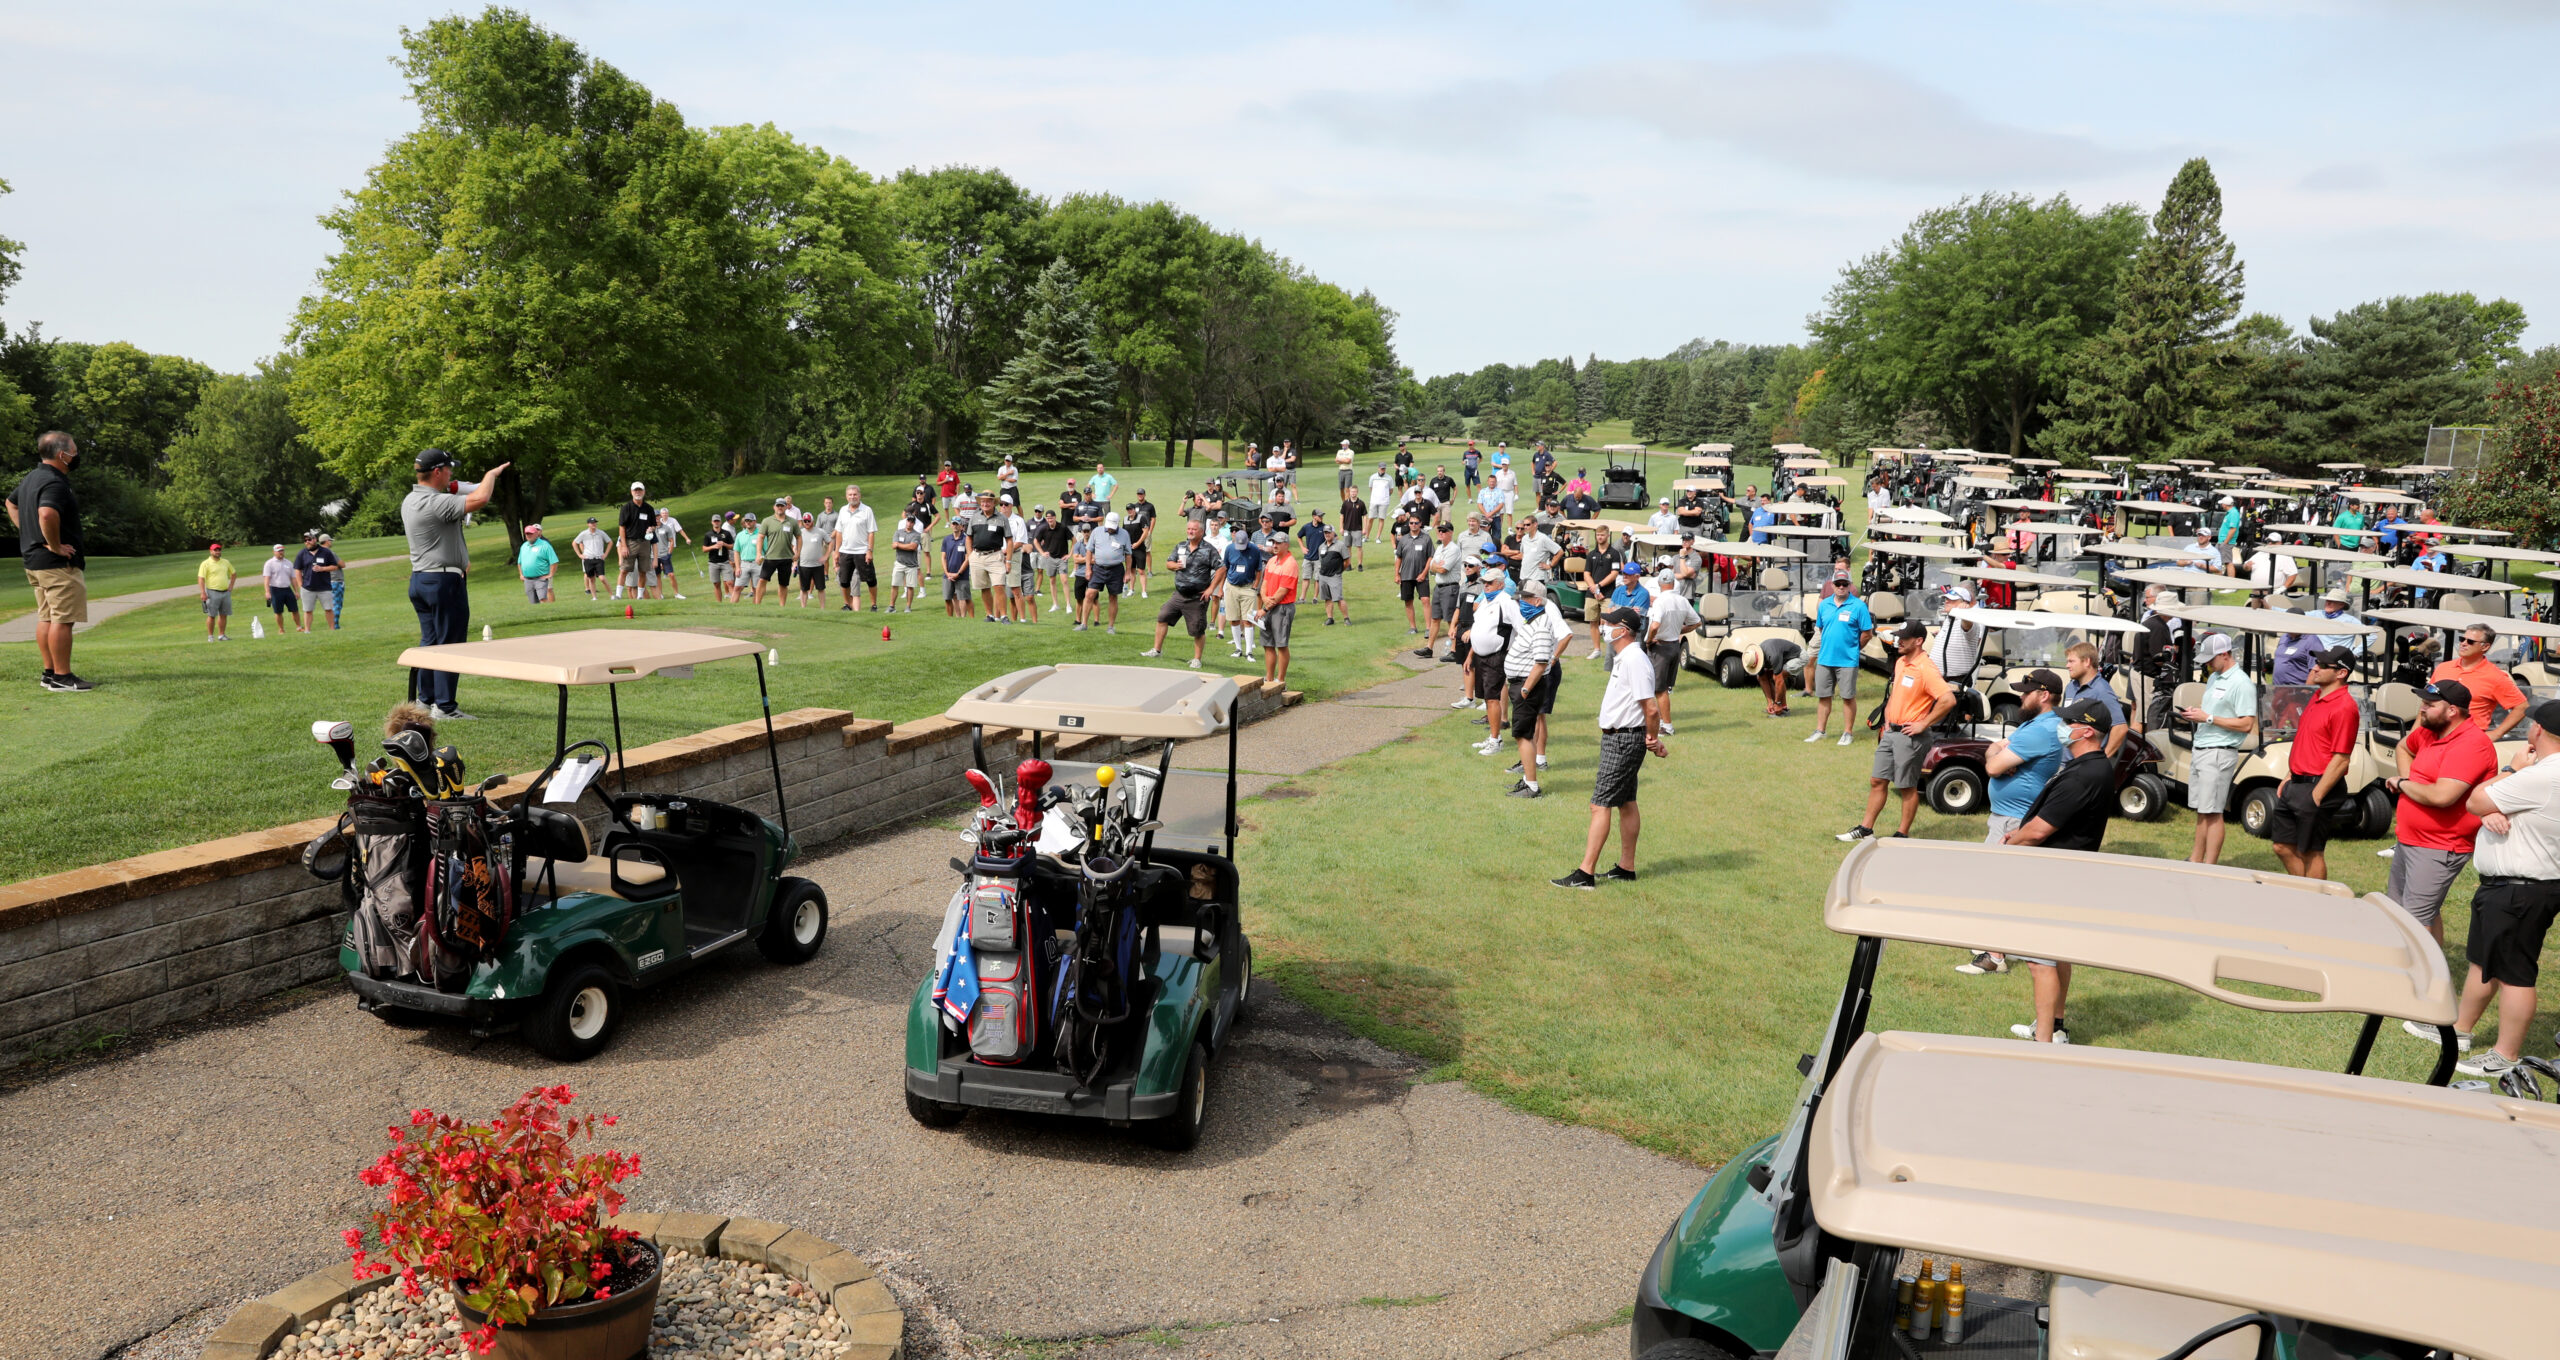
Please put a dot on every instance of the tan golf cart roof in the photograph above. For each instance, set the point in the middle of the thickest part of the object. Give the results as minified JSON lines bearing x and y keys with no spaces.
{"x":1652,"y":540}
{"x":2013,"y":503}
{"x":585,"y":656}
{"x":2140,"y":548}
{"x":2161,"y":507}
{"x":2085,"y":475}
{"x":1695,"y":463}
{"x":1822,"y":481}
{"x":2320,"y":530}
{"x":1622,"y":448}
{"x":1717,"y":484}
{"x":2455,"y":618}
{"x":2492,"y":553}
{"x":2111,"y":458}
{"x":1711,"y":448}
{"x":2038,"y":462}
{"x":2305,"y":1194}
{"x":2422,"y":528}
{"x":2313,"y":552}
{"x":2341,"y":467}
{"x":1989,"y":617}
{"x":2431,"y":580}
{"x":2245,"y":470}
{"x":2190,"y":924}
{"x":1797,"y":531}
{"x":2014,"y":577}
{"x":1939,"y":551}
{"x":2037,"y":526}
{"x":2157,"y":467}
{"x":1796,"y":507}
{"x":2270,"y":622}
{"x":1805,"y":465}
{"x":1119,"y":701}
{"x":1603,"y":526}
{"x":2295,"y":483}
{"x":1984,"y":483}
{"x":2417,"y":470}
{"x":1915,"y":530}
{"x":1915,"y":514}
{"x":2247,"y":493}
{"x":2178,"y":577}
{"x":2219,"y":476}
{"x":2192,"y":462}
{"x":2380,"y":497}
{"x":1767,"y":550}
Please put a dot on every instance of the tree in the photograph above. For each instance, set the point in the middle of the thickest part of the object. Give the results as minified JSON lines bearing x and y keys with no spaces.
{"x":1552,"y":414}
{"x":1975,"y":311}
{"x":2518,"y":486}
{"x":1141,"y":271}
{"x":2154,"y":381}
{"x":1493,"y":425}
{"x":17,"y":408}
{"x":125,"y":405}
{"x":1591,"y":393}
{"x":1651,"y":406}
{"x":2375,"y":376}
{"x":1377,"y":419}
{"x":979,"y":245}
{"x":1052,"y":406}
{"x":241,"y":472}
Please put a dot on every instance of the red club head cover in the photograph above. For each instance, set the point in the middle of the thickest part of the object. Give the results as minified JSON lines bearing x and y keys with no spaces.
{"x":1029,"y":778}
{"x":986,"y":787}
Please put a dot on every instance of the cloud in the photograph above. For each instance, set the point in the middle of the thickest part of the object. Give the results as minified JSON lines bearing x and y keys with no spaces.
{"x":1834,"y":116}
{"x":1784,"y":13}
{"x":2340,"y":179}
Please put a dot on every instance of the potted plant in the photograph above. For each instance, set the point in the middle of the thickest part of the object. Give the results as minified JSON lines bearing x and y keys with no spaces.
{"x":510,"y":1216}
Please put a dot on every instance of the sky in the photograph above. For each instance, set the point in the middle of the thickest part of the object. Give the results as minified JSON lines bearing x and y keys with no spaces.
{"x":1516,"y":181}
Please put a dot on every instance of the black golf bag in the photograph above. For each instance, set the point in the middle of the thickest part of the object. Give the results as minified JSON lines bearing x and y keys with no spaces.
{"x":430,"y":884}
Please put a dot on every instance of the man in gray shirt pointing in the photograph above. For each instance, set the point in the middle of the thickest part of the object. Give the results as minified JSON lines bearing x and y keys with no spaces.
{"x":439,"y":567}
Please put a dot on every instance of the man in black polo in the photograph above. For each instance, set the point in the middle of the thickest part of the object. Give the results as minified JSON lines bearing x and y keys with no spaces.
{"x":47,"y":516}
{"x":2071,"y":814}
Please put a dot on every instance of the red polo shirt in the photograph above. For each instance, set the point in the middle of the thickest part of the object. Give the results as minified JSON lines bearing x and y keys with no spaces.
{"x":2463,"y":753}
{"x":2328,"y":729}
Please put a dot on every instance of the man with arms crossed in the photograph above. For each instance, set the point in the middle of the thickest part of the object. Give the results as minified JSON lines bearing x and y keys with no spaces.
{"x":2518,"y":859}
{"x":2020,"y":765}
{"x":2314,"y":789}
{"x":2071,"y":814}
{"x":2441,"y":761}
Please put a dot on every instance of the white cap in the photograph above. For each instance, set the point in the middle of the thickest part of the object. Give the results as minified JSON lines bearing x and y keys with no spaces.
{"x":1112,"y":520}
{"x":2213,"y":645}
{"x":1964,"y":593}
{"x":636,"y":486}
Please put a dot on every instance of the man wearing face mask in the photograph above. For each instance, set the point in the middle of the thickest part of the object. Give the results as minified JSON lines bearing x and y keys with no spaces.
{"x":1497,"y":621}
{"x":1626,"y":735}
{"x":1526,"y":664}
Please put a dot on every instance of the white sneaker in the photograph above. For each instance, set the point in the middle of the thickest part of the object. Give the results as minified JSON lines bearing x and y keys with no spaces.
{"x":1476,"y":704}
{"x":1152,"y":651}
{"x":1195,"y":663}
{"x":1113,"y":630}
{"x":1462,"y":703}
{"x":2461,"y":1041}
{"x":1542,"y":762}
{"x":1592,"y":655}
{"x":1079,"y":627}
{"x":1818,"y":734}
{"x":1053,"y":606}
{"x":679,"y":594}
{"x":1844,"y":738}
{"x":1666,"y":729}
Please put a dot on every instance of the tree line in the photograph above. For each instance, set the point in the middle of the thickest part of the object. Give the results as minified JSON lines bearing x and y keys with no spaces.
{"x":555,"y":269}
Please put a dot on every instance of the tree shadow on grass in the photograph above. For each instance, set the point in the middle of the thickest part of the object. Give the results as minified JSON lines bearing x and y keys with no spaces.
{"x":1398,"y":1005}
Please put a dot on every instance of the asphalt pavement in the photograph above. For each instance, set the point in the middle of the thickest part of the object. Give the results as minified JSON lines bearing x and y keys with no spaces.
{"x":1335,"y":1205}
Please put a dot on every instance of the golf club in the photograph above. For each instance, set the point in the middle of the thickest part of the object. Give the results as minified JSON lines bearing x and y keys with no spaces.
{"x":340,"y":738}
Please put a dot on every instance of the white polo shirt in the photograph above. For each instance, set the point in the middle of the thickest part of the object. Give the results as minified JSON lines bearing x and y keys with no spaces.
{"x":1630,"y":684}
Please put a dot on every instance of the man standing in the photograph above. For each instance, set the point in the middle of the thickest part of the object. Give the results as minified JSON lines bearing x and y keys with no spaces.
{"x":2228,"y":715}
{"x":2020,"y":765}
{"x":2313,"y":791}
{"x":1242,"y":600}
{"x":2518,"y":861}
{"x":1957,"y":652}
{"x":812,"y":560}
{"x":314,"y":567}
{"x":214,"y":576}
{"x":47,"y":517}
{"x":1626,"y":735}
{"x":536,"y":559}
{"x":439,"y":569}
{"x":2071,"y":814}
{"x":1538,"y":552}
{"x":669,"y":529}
{"x":1669,"y":619}
{"x":946,"y":485}
{"x":2087,"y":681}
{"x":1355,"y":532}
{"x":856,"y":526}
{"x":1343,"y":458}
{"x":1281,"y":576}
{"x":2441,"y":761}
{"x":1526,"y":666}
{"x":1413,"y":556}
{"x":592,"y":545}
{"x":990,"y":556}
{"x":1915,"y":699}
{"x":1382,"y":495}
{"x":1107,"y":566}
{"x":1099,"y":486}
{"x":277,"y":573}
{"x":1140,"y":524}
{"x":1195,"y":567}
{"x":1325,"y":555}
{"x":1472,"y":461}
{"x":1843,"y":625}
{"x":719,"y":558}
{"x":1497,"y":620}
{"x":955,"y":569}
{"x":2490,"y":688}
{"x":637,"y":543}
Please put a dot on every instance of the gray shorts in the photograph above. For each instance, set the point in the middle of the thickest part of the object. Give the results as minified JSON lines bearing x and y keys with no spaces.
{"x":2209,"y":780}
{"x":1355,"y":537}
{"x":537,"y":589}
{"x":1275,"y":625}
{"x":722,"y":573}
{"x":313,"y":601}
{"x":2000,"y":827}
{"x":1444,"y":603}
{"x":1898,"y":757}
{"x":217,"y":604}
{"x":2421,"y":877}
{"x":1835,"y":682}
{"x":902,"y":577}
{"x":1328,"y":590}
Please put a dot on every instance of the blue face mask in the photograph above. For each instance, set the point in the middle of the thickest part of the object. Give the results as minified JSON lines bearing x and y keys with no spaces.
{"x":1531,"y":611}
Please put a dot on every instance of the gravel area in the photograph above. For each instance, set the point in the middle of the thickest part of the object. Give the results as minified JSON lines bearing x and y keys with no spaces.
{"x":732,"y":1310}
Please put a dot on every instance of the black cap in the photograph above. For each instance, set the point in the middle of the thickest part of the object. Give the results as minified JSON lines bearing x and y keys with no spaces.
{"x":2041,"y":679}
{"x":2546,"y":715}
{"x":2453,"y":692}
{"x":2335,"y":658}
{"x":430,"y":459}
{"x":1628,"y":618}
{"x":2088,"y":713}
{"x":1911,"y":632}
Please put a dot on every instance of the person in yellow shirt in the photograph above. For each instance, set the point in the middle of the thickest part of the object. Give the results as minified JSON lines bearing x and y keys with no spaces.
{"x":214,"y":576}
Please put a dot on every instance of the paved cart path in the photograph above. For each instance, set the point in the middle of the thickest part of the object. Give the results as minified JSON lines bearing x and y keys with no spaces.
{"x":23,"y":627}
{"x":1334,"y":1208}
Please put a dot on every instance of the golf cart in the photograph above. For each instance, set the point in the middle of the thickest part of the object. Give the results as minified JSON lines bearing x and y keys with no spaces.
{"x":519,"y":918}
{"x":1622,"y":487}
{"x":1092,"y":961}
{"x":1763,"y":601}
{"x":2265,"y":758}
{"x":1242,"y":495}
{"x":1739,"y":1266}
{"x":1953,"y":775}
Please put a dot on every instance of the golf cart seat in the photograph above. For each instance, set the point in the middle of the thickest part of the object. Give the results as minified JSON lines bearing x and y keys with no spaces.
{"x":2395,"y":711}
{"x":2063,"y":602}
{"x":2459,"y":604}
{"x":1772,"y":578}
{"x":2188,"y":695}
{"x":1715,"y":615}
{"x":573,"y":866}
{"x":1885,"y":607}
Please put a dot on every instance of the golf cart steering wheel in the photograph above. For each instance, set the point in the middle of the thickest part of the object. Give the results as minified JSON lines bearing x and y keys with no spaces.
{"x":534,"y":791}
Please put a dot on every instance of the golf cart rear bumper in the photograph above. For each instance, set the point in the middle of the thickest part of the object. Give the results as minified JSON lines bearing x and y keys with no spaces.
{"x":372,"y":992}
{"x":961,"y":1082}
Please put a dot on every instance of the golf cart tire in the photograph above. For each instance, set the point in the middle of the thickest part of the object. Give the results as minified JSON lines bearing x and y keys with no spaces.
{"x":1957,"y":791}
{"x":1244,"y":979}
{"x":797,"y":925}
{"x":577,"y":1014}
{"x":1686,"y":1348}
{"x":1180,"y":1130}
{"x":2004,"y":711}
{"x":2378,"y":808}
{"x":2258,"y":811}
{"x":933,"y":1114}
{"x":2144,"y":798}
{"x":1729,"y":671}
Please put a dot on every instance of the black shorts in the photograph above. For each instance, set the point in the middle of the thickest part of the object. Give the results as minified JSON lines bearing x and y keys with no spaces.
{"x":1106,"y":580}
{"x":2509,"y":918}
{"x":1138,"y":554}
{"x":777,"y":569}
{"x":1408,"y":591}
{"x":1621,"y":758}
{"x":850,"y":565}
{"x":593,"y":566}
{"x":1528,"y":704}
{"x":282,"y":600}
{"x":1191,"y":610}
{"x":1489,"y":676}
{"x":813,"y":578}
{"x":2297,"y":822}
{"x":1666,"y":664}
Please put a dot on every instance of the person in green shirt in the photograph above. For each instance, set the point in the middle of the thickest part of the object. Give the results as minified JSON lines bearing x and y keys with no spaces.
{"x":535,"y":561}
{"x":2226,"y":715}
{"x":750,"y":537}
{"x":777,"y":543}
{"x":2349,"y":519}
{"x":214,"y":576}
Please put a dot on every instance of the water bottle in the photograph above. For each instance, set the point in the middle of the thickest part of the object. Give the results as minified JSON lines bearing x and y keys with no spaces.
{"x":488,"y":634}
{"x":257,"y":629}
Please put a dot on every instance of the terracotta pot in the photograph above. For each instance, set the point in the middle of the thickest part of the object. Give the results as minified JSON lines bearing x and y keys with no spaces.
{"x":616,"y":1328}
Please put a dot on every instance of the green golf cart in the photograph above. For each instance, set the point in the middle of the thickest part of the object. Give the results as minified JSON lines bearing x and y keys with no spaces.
{"x":579,"y":924}
{"x":1092,"y":961}
{"x":1733,"y":1274}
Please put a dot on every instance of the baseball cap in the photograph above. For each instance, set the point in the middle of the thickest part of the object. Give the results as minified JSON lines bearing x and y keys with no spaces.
{"x":1630,"y":569}
{"x":277,"y":548}
{"x":213,"y":545}
{"x":1533,"y":590}
{"x":1839,"y":578}
{"x":1007,"y":499}
{"x":2213,"y":645}
{"x":1628,"y":618}
{"x":638,"y":486}
{"x":1964,"y":593}
{"x":1911,"y":631}
{"x":2546,"y":715}
{"x":592,"y":519}
{"x":1664,"y":501}
{"x":2042,"y":679}
{"x":2453,"y":692}
{"x":2091,"y":713}
{"x":310,"y":533}
{"x":781,"y":500}
{"x":2335,"y":658}
{"x":430,"y":459}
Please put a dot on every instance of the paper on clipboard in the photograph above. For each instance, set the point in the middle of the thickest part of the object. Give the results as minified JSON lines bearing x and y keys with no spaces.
{"x":572,"y":779}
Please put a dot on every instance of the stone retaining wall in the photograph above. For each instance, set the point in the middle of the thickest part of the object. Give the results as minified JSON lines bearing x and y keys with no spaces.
{"x":118,"y":948}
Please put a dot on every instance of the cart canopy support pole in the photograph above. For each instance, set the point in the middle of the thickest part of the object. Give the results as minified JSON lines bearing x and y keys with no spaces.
{"x":2364,"y":1045}
{"x":1231,"y":781}
{"x":772,"y":756}
{"x":560,"y":726}
{"x":614,"y":693}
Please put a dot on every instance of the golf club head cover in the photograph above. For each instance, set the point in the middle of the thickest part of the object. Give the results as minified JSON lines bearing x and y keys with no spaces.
{"x":340,"y":738}
{"x":1029,"y":778}
{"x":985,"y":786}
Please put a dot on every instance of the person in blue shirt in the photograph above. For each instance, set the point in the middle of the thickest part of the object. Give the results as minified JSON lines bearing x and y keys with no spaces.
{"x":1843,"y":625}
{"x":1761,"y":516}
{"x":2020,"y":765}
{"x":1630,"y":593}
{"x":2390,"y":524}
{"x":1243,"y":595}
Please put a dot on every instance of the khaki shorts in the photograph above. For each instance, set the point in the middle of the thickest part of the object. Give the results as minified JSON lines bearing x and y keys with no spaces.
{"x":1240,"y":602}
{"x":987,"y":571}
{"x":62,"y":594}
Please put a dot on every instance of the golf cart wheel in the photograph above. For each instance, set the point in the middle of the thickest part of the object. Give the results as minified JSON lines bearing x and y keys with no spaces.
{"x":2258,"y":811}
{"x":1686,"y":1348}
{"x":2004,"y":711}
{"x":797,"y":924}
{"x":2378,"y":809}
{"x":1244,"y":976}
{"x":1956,"y":791}
{"x":1180,"y":1130}
{"x":933,"y":1114}
{"x":576,"y":1016}
{"x":1729,"y":670}
{"x":2144,"y":798}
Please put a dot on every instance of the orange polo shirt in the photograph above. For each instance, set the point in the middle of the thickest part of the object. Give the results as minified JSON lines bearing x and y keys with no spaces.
{"x":2491,"y":688}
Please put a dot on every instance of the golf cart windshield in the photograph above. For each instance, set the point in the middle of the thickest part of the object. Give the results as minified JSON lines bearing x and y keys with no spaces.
{"x":2306,"y":1195}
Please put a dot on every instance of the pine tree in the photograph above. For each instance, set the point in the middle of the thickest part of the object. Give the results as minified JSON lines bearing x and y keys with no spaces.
{"x":2152,"y":384}
{"x":1702,"y":406}
{"x":1651,"y":404}
{"x":1591,"y":393}
{"x":1052,"y":405}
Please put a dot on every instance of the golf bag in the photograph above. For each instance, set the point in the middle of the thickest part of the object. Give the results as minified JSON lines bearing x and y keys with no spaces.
{"x":387,"y":878}
{"x":471,"y":885}
{"x":1004,"y":1025}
